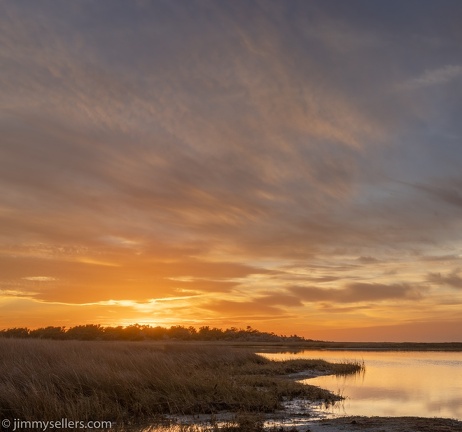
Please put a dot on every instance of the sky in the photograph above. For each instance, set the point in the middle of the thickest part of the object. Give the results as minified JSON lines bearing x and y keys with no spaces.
{"x":293,"y":165}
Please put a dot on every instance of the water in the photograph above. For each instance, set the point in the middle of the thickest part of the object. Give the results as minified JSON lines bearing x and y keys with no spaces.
{"x":395,"y":383}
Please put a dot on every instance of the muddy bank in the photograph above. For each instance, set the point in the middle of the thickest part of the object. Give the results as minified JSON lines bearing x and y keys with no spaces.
{"x":304,"y":416}
{"x":341,"y":424}
{"x":384,"y":424}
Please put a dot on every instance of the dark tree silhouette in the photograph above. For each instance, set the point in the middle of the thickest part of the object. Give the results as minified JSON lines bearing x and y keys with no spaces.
{"x":137,"y":332}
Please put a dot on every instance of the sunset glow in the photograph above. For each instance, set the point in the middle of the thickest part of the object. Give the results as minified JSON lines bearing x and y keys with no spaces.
{"x":293,"y":166}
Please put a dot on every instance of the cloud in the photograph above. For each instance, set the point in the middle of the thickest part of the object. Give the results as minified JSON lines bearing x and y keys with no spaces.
{"x":332,"y":308}
{"x":409,"y":331}
{"x":243,"y":309}
{"x":437,"y":258}
{"x":16,"y":293}
{"x":367,"y":260}
{"x":451,"y":279}
{"x":71,"y":279}
{"x":321,"y":279}
{"x":447,"y":192}
{"x":279,"y":299}
{"x":342,"y":38}
{"x":40,"y":278}
{"x":434,"y":77}
{"x":358,"y":292}
{"x":176,"y":150}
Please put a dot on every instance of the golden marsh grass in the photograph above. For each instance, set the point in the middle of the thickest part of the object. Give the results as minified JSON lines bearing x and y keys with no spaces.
{"x":135,"y":382}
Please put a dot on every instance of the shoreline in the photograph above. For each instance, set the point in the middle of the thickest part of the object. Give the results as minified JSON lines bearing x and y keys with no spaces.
{"x":358,"y":423}
{"x":284,"y":420}
{"x":350,"y":346}
{"x":309,"y":416}
{"x":385,"y":424}
{"x":376,"y":423}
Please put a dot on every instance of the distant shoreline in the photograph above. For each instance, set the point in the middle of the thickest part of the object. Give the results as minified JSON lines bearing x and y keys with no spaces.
{"x":354,"y":346}
{"x":211,"y":335}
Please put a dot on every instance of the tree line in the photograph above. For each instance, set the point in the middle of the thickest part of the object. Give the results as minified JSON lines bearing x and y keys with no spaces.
{"x":138,"y":332}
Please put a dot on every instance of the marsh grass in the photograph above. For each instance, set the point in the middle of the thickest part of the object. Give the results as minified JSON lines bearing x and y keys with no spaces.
{"x":135,"y":382}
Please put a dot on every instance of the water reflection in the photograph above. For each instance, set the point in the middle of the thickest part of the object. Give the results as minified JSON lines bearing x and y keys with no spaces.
{"x":424,"y":384}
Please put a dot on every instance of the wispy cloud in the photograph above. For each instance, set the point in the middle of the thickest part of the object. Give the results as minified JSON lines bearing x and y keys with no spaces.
{"x":434,"y":77}
{"x":448,"y":191}
{"x":451,"y":279}
{"x":358,"y":292}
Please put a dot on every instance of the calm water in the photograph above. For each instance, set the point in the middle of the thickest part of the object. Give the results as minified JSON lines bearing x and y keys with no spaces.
{"x":424,"y":384}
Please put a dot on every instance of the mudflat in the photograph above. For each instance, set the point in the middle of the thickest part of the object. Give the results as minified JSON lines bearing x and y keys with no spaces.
{"x":385,"y":424}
